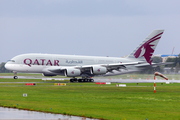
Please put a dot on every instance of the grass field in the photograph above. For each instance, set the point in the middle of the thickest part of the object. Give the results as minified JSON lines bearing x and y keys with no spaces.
{"x":95,"y":101}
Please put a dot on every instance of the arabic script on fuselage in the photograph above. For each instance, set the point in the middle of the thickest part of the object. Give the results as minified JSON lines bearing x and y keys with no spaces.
{"x":74,"y":61}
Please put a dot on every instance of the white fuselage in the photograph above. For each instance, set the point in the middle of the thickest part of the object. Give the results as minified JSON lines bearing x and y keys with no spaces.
{"x":39,"y":63}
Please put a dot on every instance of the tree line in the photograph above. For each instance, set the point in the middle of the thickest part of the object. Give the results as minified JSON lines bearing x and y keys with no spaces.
{"x":174,"y":68}
{"x":3,"y":69}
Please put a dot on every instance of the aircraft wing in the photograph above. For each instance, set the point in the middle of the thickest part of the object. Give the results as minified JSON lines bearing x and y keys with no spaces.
{"x":140,"y":66}
{"x":102,"y":69}
{"x":91,"y":70}
{"x":110,"y":67}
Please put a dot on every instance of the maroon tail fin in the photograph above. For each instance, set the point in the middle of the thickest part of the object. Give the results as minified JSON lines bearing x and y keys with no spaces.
{"x":147,"y":47}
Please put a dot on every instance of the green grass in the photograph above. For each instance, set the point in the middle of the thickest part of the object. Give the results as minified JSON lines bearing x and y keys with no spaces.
{"x":124,"y":76}
{"x":136,"y":102}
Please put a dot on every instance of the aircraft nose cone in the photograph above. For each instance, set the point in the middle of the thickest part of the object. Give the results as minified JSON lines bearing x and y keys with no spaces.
{"x":7,"y":66}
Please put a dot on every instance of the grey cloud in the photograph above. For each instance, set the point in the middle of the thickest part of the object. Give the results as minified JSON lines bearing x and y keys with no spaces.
{"x":87,"y":7}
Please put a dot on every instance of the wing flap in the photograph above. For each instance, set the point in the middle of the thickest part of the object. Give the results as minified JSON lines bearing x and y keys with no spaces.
{"x":153,"y":64}
{"x":108,"y":65}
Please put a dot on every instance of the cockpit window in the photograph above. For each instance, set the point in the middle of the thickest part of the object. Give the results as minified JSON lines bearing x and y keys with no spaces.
{"x":11,"y":60}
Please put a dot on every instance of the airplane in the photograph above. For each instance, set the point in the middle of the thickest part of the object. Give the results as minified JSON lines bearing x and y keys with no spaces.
{"x":87,"y":66}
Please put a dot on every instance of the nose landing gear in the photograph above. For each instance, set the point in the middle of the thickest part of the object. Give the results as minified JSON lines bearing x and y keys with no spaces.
{"x":15,"y":75}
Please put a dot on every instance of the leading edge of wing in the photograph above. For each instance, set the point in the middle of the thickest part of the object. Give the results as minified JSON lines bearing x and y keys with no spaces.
{"x":109,"y":65}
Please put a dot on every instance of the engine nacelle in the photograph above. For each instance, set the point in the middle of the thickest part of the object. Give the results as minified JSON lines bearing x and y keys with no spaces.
{"x":98,"y":70}
{"x":71,"y":72}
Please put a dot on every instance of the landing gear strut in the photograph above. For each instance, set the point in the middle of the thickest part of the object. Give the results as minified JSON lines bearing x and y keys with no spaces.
{"x":15,"y":75}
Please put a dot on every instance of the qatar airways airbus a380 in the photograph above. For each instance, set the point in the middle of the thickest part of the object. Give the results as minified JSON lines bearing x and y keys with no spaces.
{"x":87,"y":66}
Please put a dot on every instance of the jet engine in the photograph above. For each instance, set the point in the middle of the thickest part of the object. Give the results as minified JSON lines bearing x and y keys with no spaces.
{"x":98,"y":70}
{"x":71,"y":72}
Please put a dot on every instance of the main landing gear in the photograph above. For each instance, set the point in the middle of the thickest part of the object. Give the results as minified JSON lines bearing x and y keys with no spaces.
{"x":81,"y":80}
{"x":15,"y":75}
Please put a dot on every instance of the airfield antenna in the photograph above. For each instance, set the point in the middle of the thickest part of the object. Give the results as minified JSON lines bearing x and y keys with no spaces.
{"x":172,"y":51}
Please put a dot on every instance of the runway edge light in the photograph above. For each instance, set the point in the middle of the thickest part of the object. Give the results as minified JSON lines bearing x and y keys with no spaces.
{"x":24,"y":94}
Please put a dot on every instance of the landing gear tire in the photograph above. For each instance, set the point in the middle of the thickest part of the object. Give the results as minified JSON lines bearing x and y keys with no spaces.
{"x":91,"y":80}
{"x":74,"y":80}
{"x":15,"y":77}
{"x":82,"y":80}
{"x":71,"y":80}
{"x":85,"y":80}
{"x":79,"y":80}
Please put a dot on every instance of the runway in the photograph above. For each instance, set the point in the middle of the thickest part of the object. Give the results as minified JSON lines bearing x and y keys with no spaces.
{"x":97,"y":79}
{"x":16,"y":114}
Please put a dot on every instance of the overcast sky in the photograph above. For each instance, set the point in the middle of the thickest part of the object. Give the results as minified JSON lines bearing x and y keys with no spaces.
{"x":86,"y":27}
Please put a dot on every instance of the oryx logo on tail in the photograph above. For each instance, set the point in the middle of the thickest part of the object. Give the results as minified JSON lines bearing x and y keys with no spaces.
{"x":146,"y":50}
